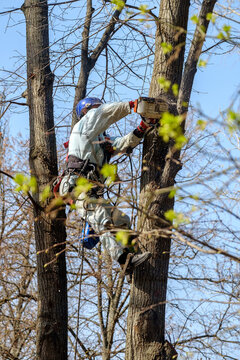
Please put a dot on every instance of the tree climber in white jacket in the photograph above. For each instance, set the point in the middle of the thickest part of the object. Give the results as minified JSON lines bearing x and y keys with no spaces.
{"x":89,"y":149}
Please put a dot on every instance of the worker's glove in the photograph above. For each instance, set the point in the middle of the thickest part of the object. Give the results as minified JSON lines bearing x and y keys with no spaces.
{"x":143,"y":126}
{"x":149,"y":122}
{"x":133,"y":104}
{"x":141,"y":129}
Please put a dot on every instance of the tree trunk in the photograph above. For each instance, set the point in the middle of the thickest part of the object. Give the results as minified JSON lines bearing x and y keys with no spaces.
{"x":146,"y":316}
{"x":50,"y":233}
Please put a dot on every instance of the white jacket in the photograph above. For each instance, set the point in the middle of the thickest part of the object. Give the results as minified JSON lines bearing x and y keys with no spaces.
{"x":87,"y":134}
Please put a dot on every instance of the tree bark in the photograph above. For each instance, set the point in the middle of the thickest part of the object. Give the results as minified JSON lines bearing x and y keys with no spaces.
{"x":146,"y":316}
{"x":50,"y":233}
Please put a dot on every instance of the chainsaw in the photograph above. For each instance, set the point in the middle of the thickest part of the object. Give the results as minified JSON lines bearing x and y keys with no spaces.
{"x":150,"y":107}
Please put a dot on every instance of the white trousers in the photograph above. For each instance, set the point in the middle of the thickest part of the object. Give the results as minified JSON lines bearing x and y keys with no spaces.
{"x":100,"y":215}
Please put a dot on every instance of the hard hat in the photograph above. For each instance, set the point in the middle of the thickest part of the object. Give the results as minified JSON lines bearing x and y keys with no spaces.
{"x":87,"y":103}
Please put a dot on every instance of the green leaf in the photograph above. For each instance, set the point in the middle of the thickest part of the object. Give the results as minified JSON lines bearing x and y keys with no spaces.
{"x":46,"y":193}
{"x":175,"y":217}
{"x":180,"y":141}
{"x":170,"y":215}
{"x":164,"y":84}
{"x":172,"y":193}
{"x":109,"y":171}
{"x":122,"y":237}
{"x":194,"y":19}
{"x":202,"y":124}
{"x":175,"y":89}
{"x":19,"y":179}
{"x":166,"y":47}
{"x":82,"y":186}
{"x":120,"y":4}
{"x":202,"y":63}
{"x":233,"y":116}
{"x":220,"y":36}
{"x":226,"y":29}
{"x":143,"y":9}
{"x":195,"y":197}
{"x":225,"y":33}
{"x":25,"y":183}
{"x":25,"y":188}
{"x":33,"y":184}
{"x":170,"y":128}
{"x":233,"y":121}
{"x":211,"y":17}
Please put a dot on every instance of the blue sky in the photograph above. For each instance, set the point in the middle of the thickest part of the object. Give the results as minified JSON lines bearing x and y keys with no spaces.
{"x":215,"y":85}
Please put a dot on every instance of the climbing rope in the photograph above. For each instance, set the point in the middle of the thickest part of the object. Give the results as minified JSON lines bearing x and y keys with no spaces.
{"x":80,"y":272}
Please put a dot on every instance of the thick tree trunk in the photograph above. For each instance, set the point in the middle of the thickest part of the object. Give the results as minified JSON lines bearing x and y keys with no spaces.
{"x":146,"y":316}
{"x":52,"y":284}
{"x":146,"y":320}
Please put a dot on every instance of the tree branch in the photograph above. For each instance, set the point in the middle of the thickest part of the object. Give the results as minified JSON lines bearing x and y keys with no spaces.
{"x":86,"y":351}
{"x":193,"y":56}
{"x":105,"y":37}
{"x":88,"y":62}
{"x":36,"y":205}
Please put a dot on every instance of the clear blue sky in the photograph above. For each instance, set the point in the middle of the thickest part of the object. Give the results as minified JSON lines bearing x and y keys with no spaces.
{"x":215,"y":85}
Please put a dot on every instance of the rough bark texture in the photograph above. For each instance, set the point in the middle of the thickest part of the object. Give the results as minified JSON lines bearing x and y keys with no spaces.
{"x":146,"y":319}
{"x":52,"y":284}
{"x":146,"y":316}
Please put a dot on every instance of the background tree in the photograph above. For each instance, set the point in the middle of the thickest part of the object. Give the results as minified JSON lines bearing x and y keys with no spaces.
{"x":17,"y":281}
{"x":50,"y":235}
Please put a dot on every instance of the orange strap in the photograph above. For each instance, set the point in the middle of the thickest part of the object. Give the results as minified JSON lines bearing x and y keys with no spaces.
{"x":135,"y":105}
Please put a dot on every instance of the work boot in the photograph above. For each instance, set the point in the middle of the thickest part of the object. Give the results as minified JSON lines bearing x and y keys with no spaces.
{"x":133,"y":260}
{"x":138,"y":259}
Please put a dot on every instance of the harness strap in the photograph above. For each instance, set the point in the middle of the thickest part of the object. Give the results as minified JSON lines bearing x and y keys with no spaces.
{"x":86,"y":169}
{"x":81,"y":166}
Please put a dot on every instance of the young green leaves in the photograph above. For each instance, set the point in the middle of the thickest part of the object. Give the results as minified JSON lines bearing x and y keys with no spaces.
{"x":166,"y":47}
{"x":233,"y":121}
{"x":170,"y":128}
{"x":176,"y":218}
{"x":119,"y":4}
{"x":225,"y":33}
{"x":109,"y":171}
{"x":82,"y":186}
{"x":25,"y":183}
{"x":122,"y":237}
{"x":166,"y":85}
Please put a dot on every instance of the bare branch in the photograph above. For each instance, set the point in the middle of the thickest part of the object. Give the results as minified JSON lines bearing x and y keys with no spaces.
{"x":193,"y":56}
